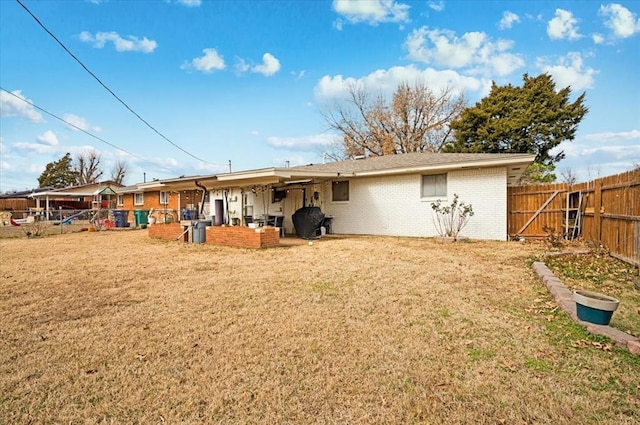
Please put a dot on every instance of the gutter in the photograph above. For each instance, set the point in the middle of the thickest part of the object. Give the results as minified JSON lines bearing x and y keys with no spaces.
{"x":204,"y":193}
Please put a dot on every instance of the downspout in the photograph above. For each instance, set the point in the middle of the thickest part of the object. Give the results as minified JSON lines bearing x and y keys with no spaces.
{"x":204,"y":193}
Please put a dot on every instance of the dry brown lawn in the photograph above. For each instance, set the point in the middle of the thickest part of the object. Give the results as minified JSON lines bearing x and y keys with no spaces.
{"x":113,"y":327}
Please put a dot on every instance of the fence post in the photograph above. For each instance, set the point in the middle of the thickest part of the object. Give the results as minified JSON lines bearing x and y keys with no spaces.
{"x":597,"y":206}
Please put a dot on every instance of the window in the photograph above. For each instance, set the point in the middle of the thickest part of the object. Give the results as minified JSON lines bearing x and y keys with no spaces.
{"x":434,"y":185}
{"x":120,"y":200}
{"x":138,"y":198}
{"x":340,"y":191}
{"x":164,"y":198}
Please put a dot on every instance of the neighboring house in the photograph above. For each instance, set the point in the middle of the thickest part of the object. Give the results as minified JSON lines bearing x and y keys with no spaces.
{"x":86,"y":196}
{"x":168,"y":203}
{"x":387,"y":195}
{"x":19,"y":203}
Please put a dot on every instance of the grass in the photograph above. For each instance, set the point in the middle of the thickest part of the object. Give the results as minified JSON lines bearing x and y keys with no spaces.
{"x":112,"y":327}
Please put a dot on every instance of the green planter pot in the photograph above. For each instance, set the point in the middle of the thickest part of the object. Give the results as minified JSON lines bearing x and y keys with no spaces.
{"x":594,"y":307}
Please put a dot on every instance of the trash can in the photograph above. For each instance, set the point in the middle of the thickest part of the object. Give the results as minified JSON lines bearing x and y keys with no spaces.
{"x":121,"y":218}
{"x":200,"y":231}
{"x":141,"y":217}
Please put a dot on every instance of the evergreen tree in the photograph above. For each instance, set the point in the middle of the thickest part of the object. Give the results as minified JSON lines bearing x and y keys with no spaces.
{"x":59,"y":173}
{"x":534,"y":119}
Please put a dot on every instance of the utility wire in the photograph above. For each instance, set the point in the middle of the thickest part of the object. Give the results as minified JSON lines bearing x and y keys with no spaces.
{"x":105,"y":86}
{"x":80,"y":129}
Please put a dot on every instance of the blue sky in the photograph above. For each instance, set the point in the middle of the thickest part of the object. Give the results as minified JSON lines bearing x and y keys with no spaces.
{"x":246,"y":81}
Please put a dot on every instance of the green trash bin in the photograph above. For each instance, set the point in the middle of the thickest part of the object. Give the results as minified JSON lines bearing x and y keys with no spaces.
{"x":141,"y":217}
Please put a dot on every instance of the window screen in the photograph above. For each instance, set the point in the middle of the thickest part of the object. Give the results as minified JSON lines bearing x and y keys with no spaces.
{"x":434,"y":185}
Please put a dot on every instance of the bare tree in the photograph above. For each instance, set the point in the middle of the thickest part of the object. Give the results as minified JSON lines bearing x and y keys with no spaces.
{"x":88,"y":167}
{"x":568,"y":176}
{"x":334,"y":151}
{"x":415,"y":120}
{"x":119,"y":171}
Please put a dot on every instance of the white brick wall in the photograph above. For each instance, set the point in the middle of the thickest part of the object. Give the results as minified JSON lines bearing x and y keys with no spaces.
{"x":392,"y":205}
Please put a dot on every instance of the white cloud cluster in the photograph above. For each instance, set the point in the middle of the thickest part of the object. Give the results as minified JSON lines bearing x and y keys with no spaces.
{"x":438,"y":6}
{"x":569,"y":71}
{"x":372,"y":12}
{"x":270,"y":65}
{"x":207,"y":63}
{"x":79,"y":123}
{"x":46,"y":143}
{"x":48,"y":138}
{"x":620,"y":20}
{"x":508,"y":19}
{"x":474,"y":51}
{"x":129,"y":44}
{"x":563,"y":25}
{"x":211,"y":61}
{"x":386,"y":82}
{"x":308,"y":143}
{"x":609,"y":136}
{"x":14,"y":104}
{"x":190,"y":3}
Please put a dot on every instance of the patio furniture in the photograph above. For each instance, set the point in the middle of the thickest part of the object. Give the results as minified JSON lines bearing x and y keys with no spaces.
{"x":276,"y":221}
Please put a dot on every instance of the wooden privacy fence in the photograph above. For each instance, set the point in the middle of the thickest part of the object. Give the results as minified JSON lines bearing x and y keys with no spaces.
{"x":606,"y":210}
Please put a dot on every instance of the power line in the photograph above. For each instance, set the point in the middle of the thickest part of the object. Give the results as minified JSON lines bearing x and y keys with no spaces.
{"x":105,"y":86}
{"x":81,"y":129}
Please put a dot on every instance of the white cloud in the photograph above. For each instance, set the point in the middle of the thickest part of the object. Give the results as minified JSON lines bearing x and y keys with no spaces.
{"x":270,"y":65}
{"x":206,"y":63}
{"x":306,"y":143}
{"x":190,"y":3}
{"x":569,"y":71}
{"x":386,"y":82}
{"x":48,"y":138}
{"x":38,"y":148}
{"x":508,"y":19}
{"x":620,"y":20}
{"x":619,"y":151}
{"x":597,"y":38}
{"x":474,"y":51}
{"x":298,"y":75}
{"x":438,"y":6}
{"x":14,"y":104}
{"x":372,"y":12}
{"x":600,"y":154}
{"x":563,"y":25}
{"x":241,"y":65}
{"x":608,"y":136}
{"x":130,"y":44}
{"x":289,"y":160}
{"x":79,"y":123}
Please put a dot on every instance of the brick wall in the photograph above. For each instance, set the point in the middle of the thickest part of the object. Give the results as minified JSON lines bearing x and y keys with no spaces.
{"x":245,"y":237}
{"x":151,"y":200}
{"x":392,"y":205}
{"x":238,"y":236}
{"x":169,"y":231}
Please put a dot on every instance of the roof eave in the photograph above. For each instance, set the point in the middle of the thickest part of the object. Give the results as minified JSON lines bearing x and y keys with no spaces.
{"x":499,"y":162}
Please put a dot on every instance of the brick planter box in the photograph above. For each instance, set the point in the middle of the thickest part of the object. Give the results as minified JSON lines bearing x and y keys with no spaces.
{"x":238,"y":236}
{"x":170,"y":231}
{"x":245,"y":237}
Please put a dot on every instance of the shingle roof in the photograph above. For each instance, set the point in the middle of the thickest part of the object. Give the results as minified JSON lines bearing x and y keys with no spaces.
{"x":410,"y":160}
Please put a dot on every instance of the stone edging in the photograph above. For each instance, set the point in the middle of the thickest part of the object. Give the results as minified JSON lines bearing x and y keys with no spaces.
{"x":564,"y":298}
